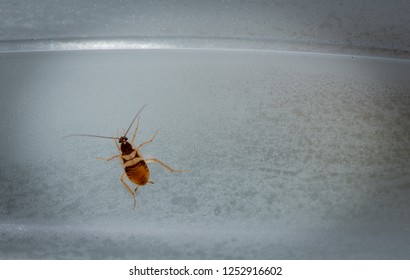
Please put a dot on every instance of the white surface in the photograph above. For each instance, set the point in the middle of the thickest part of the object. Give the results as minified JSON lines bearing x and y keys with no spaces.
{"x":296,"y":150}
{"x":292,"y":155}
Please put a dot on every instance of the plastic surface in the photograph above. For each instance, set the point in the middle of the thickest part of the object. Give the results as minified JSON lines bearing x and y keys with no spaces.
{"x":297,"y":134}
{"x":366,"y":24}
{"x":292,"y":155}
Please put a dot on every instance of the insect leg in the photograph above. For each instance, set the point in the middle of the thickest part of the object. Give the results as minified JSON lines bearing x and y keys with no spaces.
{"x":147,"y":142}
{"x":128,"y":188}
{"x":108,"y":159}
{"x":135,"y":132}
{"x":164,"y":165}
{"x":116,"y":144}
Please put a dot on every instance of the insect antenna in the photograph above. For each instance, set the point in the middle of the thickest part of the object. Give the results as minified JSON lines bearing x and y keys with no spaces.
{"x":125,"y":134}
{"x":108,"y":137}
{"x":89,"y":135}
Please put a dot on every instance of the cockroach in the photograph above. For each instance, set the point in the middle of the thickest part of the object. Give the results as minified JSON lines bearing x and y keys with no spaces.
{"x":135,"y":166}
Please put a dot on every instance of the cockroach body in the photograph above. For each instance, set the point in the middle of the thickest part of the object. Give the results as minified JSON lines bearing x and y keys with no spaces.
{"x":135,"y":166}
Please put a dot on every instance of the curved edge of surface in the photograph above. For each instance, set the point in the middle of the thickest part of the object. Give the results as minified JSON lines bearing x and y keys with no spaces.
{"x":201,"y":43}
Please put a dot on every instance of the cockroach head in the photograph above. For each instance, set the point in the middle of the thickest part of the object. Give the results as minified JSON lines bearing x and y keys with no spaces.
{"x":123,"y":139}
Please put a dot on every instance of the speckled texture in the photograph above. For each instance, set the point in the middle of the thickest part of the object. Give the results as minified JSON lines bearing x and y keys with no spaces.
{"x":293,"y":155}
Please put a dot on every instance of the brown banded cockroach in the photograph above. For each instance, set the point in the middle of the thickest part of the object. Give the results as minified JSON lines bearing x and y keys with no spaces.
{"x":135,"y":166}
